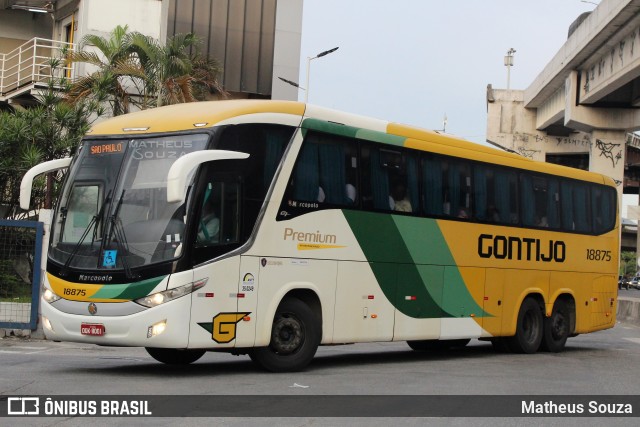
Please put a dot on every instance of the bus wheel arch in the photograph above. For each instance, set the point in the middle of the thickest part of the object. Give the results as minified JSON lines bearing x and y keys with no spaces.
{"x":529,"y":325}
{"x":560,"y":325}
{"x":296,"y":333}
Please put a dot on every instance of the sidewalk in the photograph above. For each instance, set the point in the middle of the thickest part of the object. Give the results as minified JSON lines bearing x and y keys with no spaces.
{"x":629,"y":310}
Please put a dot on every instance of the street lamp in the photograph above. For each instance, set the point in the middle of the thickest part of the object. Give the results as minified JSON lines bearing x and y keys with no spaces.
{"x":292,"y":83}
{"x":309,"y":59}
{"x":508,"y":62}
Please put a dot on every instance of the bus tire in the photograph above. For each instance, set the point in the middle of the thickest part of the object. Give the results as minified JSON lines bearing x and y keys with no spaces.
{"x":423,"y":345}
{"x":172,"y":356}
{"x":295,"y":336}
{"x":556,"y":328}
{"x":529,"y":329}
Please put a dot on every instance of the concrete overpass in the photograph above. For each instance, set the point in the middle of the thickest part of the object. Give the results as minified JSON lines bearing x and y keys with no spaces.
{"x":581,"y":109}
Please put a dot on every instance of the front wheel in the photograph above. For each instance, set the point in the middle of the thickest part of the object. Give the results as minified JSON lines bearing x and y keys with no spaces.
{"x":556,"y":328}
{"x":528,"y":329}
{"x":172,"y":356}
{"x":295,"y":336}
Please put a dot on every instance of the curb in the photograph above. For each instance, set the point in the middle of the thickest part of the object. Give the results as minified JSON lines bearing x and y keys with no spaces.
{"x":628,"y":310}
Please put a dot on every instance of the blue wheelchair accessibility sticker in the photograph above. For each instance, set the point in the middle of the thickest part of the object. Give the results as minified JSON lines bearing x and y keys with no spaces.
{"x":109,"y":258}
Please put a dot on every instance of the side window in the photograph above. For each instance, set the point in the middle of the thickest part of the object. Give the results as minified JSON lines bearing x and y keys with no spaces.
{"x":495,"y":194}
{"x":574,"y":200}
{"x":218,"y":219}
{"x":603,"y":203}
{"x":458,"y":197}
{"x":540,"y":197}
{"x":326,"y":171}
{"x":390,"y":180}
{"x":433,"y":186}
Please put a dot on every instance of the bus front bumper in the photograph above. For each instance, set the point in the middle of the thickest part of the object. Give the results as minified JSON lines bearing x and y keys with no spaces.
{"x":164,"y":326}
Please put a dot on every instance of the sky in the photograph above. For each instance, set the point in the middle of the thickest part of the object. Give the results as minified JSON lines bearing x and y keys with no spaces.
{"x":415,"y":61}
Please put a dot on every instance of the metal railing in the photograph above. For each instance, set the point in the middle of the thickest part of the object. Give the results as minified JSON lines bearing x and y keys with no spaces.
{"x":31,"y":64}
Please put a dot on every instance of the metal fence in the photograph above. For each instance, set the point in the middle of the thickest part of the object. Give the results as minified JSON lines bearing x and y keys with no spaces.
{"x":20,"y":266}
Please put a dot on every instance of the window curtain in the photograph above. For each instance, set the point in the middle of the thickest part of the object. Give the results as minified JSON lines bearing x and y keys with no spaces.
{"x":412,"y":183}
{"x":566,"y":204}
{"x":502,"y":195}
{"x":454,"y":189}
{"x":432,"y":184}
{"x":379,"y":182}
{"x":480,"y":190}
{"x":608,"y":210}
{"x":528,"y":200}
{"x":275,"y":143}
{"x":332,"y":173}
{"x":552,"y":205}
{"x":307,"y":176}
{"x":580,"y":208}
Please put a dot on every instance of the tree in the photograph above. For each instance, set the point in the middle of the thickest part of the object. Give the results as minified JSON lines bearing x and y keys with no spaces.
{"x":134,"y":69}
{"x":175,"y":72}
{"x":114,"y":80}
{"x":49,"y":131}
{"x":628,"y":265}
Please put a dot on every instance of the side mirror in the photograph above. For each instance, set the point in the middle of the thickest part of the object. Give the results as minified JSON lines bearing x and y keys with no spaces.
{"x":182,"y":168}
{"x":27,"y":179}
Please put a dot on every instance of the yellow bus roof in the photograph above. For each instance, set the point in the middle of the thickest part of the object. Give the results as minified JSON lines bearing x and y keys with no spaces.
{"x":180,"y":117}
{"x":190,"y":116}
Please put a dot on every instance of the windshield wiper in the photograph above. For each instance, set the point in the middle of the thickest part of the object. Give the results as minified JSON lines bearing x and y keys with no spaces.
{"x":116,"y":230}
{"x":95,"y":222}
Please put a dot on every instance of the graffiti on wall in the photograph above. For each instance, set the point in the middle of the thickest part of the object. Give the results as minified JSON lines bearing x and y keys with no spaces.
{"x":526,"y":153}
{"x":608,"y":150}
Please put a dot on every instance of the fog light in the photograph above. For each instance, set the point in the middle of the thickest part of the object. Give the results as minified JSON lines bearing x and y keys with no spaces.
{"x":156,"y":329}
{"x":47,"y":324}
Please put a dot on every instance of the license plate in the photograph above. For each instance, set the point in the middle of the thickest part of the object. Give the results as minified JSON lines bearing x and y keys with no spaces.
{"x":92,"y":329}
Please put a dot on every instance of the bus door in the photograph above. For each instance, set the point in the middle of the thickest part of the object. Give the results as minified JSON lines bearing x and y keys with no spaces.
{"x":218,"y":232}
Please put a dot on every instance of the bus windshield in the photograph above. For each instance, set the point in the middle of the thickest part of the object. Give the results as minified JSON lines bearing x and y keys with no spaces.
{"x":113,"y":213}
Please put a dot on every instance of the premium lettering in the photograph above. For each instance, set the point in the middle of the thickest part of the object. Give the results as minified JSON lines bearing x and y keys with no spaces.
{"x":317,"y":237}
{"x":521,"y":249}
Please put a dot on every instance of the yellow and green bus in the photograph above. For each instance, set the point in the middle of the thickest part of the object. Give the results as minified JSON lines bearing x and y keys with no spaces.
{"x":269,"y":228}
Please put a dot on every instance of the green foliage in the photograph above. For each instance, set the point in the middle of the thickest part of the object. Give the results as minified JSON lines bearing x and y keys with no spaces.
{"x":628,"y":264}
{"x":137,"y":70}
{"x":11,"y":285}
{"x":51,"y":130}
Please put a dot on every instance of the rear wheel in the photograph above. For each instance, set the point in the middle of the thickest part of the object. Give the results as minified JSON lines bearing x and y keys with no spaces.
{"x":529,"y":329}
{"x":423,"y":345}
{"x":295,"y":336}
{"x":172,"y":356}
{"x":556,"y":328}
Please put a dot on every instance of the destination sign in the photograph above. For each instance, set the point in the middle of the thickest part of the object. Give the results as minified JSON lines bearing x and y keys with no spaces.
{"x":107,"y":148}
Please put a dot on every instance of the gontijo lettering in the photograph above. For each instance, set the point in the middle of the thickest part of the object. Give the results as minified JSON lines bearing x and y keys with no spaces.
{"x":528,"y":249}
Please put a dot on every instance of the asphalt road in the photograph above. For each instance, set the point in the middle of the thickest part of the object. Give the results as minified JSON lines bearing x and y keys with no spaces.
{"x":601,"y":363}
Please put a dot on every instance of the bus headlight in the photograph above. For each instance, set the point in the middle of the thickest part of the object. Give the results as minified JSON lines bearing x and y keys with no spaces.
{"x":49,"y":296}
{"x":158,"y":298}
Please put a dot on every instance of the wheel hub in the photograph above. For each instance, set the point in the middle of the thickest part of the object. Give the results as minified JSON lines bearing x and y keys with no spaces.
{"x":288,"y":335}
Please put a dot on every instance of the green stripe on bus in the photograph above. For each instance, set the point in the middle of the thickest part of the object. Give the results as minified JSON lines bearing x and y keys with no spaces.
{"x":328,"y":127}
{"x":420,"y":280}
{"x":128,"y":291}
{"x":352,"y":132}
